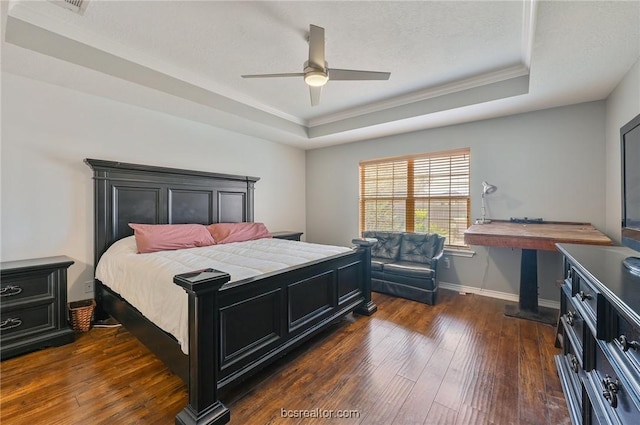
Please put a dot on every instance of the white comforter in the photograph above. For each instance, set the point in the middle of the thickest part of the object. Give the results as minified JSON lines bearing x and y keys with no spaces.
{"x":146,"y":280}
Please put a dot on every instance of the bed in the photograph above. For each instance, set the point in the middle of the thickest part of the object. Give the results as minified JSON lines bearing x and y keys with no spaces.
{"x":234,"y":328}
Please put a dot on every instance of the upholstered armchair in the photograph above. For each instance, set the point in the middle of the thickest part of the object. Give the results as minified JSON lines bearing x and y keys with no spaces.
{"x":406,"y":264}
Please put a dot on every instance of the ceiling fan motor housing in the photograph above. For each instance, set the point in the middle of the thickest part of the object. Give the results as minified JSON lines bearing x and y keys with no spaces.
{"x":314,"y":75}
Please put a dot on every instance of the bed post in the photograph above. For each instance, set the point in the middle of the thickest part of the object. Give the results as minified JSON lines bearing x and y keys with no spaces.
{"x":368,"y":307}
{"x":204,"y":408}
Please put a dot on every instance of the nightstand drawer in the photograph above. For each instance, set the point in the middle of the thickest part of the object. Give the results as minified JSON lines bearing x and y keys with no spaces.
{"x":25,"y":288}
{"x":29,"y":320}
{"x":33,"y":305}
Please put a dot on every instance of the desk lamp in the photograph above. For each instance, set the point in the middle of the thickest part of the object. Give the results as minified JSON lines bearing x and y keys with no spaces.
{"x":486,"y":190}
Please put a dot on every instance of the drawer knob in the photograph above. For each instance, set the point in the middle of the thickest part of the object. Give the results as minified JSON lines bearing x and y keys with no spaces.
{"x":584,"y":296}
{"x":610,"y":391}
{"x":573,"y":362}
{"x":570,"y":315}
{"x":10,"y":323}
{"x":626,"y":344}
{"x":10,"y":290}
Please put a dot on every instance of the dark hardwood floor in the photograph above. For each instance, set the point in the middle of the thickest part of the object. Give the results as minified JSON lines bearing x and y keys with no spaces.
{"x":458,"y":362}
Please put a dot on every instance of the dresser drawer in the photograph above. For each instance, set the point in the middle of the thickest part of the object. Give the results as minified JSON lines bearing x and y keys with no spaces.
{"x":25,"y":321}
{"x":572,"y":322}
{"x":587,"y":298}
{"x":27,"y":287}
{"x":626,"y":344}
{"x":569,"y":372}
{"x":596,"y":417}
{"x":574,"y":363}
{"x":612,"y":395}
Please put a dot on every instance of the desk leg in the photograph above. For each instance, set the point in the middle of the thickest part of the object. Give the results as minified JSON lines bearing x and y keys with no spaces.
{"x":528,"y":306}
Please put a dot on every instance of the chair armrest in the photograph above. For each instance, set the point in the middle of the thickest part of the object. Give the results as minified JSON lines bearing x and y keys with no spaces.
{"x":438,"y":256}
{"x":364,"y":242}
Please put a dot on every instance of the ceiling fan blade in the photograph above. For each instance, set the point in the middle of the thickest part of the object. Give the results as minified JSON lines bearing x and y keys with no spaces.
{"x":352,"y":74}
{"x":315,"y":95}
{"x":316,"y":73}
{"x":292,"y":74}
{"x":316,"y":46}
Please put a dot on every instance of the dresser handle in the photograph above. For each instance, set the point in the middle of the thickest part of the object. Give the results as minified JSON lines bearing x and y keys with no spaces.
{"x":10,"y":290}
{"x":610,"y":391}
{"x":626,"y":344}
{"x":570,"y":318}
{"x":12,"y":322}
{"x":584,"y":296}
{"x":573,"y":362}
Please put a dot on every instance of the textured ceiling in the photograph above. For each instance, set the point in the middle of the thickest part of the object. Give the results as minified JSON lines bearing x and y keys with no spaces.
{"x":450,"y":61}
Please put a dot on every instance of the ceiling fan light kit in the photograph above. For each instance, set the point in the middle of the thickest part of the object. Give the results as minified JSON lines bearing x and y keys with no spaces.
{"x":316,"y":72}
{"x":316,"y":78}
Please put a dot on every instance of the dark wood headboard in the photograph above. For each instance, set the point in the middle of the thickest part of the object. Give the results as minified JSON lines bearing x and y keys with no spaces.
{"x":132,"y":193}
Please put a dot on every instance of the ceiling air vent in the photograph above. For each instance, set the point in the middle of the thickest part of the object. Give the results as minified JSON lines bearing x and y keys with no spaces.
{"x":77,"y":6}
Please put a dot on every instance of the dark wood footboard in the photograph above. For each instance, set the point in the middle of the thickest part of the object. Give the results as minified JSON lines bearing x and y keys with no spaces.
{"x":257,"y":320}
{"x":237,"y":329}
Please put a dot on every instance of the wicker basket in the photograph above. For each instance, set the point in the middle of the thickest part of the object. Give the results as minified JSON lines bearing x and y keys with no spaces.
{"x":81,"y":313}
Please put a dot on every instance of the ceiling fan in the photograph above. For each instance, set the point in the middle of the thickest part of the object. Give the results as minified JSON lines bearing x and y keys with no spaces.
{"x":316,"y":71}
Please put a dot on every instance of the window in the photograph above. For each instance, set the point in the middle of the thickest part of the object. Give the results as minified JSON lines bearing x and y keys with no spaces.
{"x":419,"y":193}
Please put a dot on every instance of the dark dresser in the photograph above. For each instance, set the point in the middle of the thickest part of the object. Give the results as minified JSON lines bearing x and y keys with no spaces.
{"x":599,"y":331}
{"x":33,"y":305}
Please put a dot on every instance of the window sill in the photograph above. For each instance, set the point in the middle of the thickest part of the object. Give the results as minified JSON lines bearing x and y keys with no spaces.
{"x":459,"y":252}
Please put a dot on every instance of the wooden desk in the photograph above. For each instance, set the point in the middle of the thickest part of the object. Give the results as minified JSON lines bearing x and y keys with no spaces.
{"x":531,"y":237}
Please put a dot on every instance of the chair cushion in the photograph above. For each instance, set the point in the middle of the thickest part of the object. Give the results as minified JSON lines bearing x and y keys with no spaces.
{"x":388,"y":245}
{"x":409,"y":269}
{"x":377,"y":264}
{"x":418,"y":247}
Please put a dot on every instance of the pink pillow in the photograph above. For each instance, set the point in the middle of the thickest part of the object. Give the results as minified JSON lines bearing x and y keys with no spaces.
{"x":237,"y":232}
{"x":165,"y":237}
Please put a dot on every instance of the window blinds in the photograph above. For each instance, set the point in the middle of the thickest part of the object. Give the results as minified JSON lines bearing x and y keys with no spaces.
{"x":417,"y":193}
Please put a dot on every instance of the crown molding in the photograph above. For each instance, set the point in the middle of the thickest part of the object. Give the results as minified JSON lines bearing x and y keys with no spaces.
{"x":45,"y":28}
{"x":504,"y":74}
{"x":529,"y":11}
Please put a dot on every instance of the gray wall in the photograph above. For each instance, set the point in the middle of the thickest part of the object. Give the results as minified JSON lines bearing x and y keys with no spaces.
{"x":547,"y":164}
{"x":47,"y":190}
{"x":622,"y":105}
{"x":553,"y":164}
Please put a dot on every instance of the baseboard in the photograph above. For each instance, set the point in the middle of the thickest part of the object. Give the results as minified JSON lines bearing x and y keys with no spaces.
{"x":495,"y":294}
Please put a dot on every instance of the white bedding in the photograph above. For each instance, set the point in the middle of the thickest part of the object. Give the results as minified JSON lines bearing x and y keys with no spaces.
{"x":146,"y":280}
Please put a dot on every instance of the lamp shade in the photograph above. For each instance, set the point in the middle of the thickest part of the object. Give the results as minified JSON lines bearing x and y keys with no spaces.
{"x":488,"y":188}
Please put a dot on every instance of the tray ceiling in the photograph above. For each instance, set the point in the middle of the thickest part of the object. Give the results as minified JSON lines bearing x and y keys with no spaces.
{"x":450,"y":61}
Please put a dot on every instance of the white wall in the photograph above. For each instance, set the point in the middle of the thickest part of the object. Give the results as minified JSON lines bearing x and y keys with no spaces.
{"x":546,"y":164}
{"x":47,"y":197}
{"x":622,"y":105}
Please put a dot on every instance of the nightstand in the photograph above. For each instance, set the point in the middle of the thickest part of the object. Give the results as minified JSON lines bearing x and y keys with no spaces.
{"x":33,"y":303}
{"x":292,"y":236}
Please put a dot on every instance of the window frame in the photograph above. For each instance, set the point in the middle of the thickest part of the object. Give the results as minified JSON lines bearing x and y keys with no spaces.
{"x":410,"y":197}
